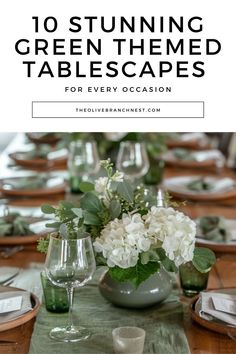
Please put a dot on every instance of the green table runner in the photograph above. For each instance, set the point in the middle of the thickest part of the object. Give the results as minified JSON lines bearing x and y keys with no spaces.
{"x":163,"y":325}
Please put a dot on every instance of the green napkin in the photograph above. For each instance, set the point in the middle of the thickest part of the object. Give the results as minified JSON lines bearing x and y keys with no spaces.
{"x":200,"y":185}
{"x":27,"y":182}
{"x":214,"y":228}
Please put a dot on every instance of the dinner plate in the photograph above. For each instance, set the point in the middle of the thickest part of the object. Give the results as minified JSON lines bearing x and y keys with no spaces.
{"x":42,"y":138}
{"x":228,"y":247}
{"x":54,"y":158}
{"x":223,"y":188}
{"x":38,"y":229}
{"x":204,"y":158}
{"x":214,"y":324}
{"x":25,"y":317}
{"x":53,"y":185}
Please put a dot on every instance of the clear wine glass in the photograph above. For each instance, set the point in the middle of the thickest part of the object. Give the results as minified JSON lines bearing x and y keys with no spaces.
{"x":132,"y":159}
{"x":83,"y":161}
{"x":70,"y":264}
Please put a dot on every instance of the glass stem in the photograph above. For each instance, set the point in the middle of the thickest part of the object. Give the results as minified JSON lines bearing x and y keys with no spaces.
{"x":70,"y":293}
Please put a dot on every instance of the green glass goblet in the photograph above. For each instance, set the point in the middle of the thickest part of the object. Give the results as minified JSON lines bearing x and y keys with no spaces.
{"x":191,"y":280}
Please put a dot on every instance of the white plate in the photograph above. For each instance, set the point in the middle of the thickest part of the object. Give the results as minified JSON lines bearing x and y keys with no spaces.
{"x":194,"y":156}
{"x":52,"y":185}
{"x":179,"y":185}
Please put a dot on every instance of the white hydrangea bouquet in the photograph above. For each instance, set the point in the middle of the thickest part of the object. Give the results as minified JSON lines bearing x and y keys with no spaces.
{"x":132,"y":236}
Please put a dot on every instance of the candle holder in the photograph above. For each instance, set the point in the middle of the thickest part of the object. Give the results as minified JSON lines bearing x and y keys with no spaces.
{"x":55,"y":298}
{"x":191,"y":280}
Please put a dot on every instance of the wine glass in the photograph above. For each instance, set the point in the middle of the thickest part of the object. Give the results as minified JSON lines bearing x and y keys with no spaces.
{"x":132,"y":159}
{"x":70,"y":264}
{"x":83,"y":161}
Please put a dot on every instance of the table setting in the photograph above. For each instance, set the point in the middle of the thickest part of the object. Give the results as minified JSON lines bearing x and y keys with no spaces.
{"x":43,"y":157}
{"x":121,"y":263}
{"x":215,"y":310}
{"x":194,"y":140}
{"x":32,"y":186}
{"x":16,"y":229}
{"x":199,"y":187}
{"x":217,"y":233}
{"x":194,"y":158}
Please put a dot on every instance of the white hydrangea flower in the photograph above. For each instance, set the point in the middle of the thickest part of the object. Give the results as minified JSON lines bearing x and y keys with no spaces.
{"x":175,"y":230}
{"x":122,"y":241}
{"x":101,"y":184}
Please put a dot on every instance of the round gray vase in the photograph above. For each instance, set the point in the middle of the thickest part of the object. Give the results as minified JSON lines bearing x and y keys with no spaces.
{"x":152,"y":291}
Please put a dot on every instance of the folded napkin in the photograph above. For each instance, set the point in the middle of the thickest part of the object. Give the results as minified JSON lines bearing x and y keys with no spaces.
{"x":214,"y":228}
{"x":26,"y":305}
{"x":13,"y":224}
{"x":220,"y":306}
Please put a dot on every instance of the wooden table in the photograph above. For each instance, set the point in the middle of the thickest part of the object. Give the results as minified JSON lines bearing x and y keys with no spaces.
{"x":223,"y":274}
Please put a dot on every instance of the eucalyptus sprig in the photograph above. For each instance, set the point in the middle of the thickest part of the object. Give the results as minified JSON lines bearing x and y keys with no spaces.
{"x":66,"y":213}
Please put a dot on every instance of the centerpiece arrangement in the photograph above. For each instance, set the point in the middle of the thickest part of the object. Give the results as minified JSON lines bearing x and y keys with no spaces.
{"x":134,"y":237}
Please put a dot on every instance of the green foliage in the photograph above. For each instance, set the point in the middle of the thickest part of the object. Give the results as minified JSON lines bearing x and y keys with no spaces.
{"x":47,"y":209}
{"x":135,"y":275}
{"x":203,"y":259}
{"x":43,"y":243}
{"x":65,"y":213}
{"x":125,"y":190}
{"x":90,"y":218}
{"x":90,"y":202}
{"x":115,"y":209}
{"x":53,"y":225}
{"x":67,"y":222}
{"x":168,"y":264}
{"x":149,"y":256}
{"x":86,"y":187}
{"x":108,"y":167}
{"x":78,"y":212}
{"x":172,"y":203}
{"x":66,"y":205}
{"x":96,"y":210}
